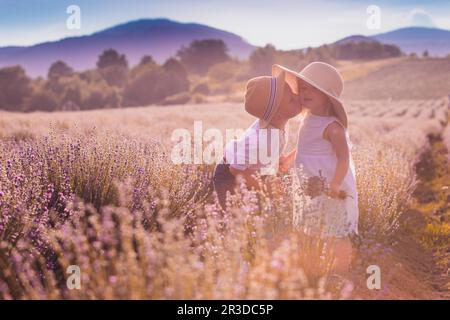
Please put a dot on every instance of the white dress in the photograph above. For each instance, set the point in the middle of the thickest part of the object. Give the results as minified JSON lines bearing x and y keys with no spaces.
{"x":316,"y":156}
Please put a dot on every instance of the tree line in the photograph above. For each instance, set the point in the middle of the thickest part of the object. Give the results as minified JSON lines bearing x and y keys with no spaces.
{"x":195,"y":69}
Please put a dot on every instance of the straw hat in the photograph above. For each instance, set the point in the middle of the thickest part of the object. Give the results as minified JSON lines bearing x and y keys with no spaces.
{"x":322,"y":76}
{"x":263,"y":97}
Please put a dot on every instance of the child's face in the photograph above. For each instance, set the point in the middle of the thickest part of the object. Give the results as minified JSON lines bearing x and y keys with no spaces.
{"x":310,"y":97}
{"x":289,"y":105}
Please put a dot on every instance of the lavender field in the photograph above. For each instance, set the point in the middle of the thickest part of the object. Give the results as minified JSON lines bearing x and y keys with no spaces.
{"x":98,"y":190}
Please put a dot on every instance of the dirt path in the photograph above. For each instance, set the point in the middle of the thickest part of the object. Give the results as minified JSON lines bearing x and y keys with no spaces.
{"x":416,"y":263}
{"x":432,"y":201}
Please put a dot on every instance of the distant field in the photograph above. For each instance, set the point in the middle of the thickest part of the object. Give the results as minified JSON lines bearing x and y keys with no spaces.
{"x":401,"y":78}
{"x":158,"y":122}
{"x":354,"y":69}
{"x":406,"y":79}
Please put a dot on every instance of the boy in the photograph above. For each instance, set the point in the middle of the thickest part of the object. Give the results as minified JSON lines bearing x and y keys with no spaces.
{"x":273,"y":102}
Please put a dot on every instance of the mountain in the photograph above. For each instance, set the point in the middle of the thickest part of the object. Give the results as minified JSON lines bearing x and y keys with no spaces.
{"x":355,"y":39}
{"x":409,"y":40}
{"x":418,"y":39}
{"x":160,"y":38}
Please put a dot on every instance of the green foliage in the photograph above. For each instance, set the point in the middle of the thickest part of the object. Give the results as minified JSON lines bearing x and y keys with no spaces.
{"x":59,"y":69}
{"x":174,"y":66}
{"x":111,"y":58}
{"x":113,"y":67}
{"x":436,"y":235}
{"x":43,"y":100}
{"x":150,"y":83}
{"x":201,"y":88}
{"x":147,"y":59}
{"x":72,"y":94}
{"x":179,"y":98}
{"x":262,"y":59}
{"x":143,"y":86}
{"x":201,"y":55}
{"x":365,"y":50}
{"x":224,"y":71}
{"x":115,"y":76}
{"x":177,"y":76}
{"x":14,"y":88}
{"x":100,"y":96}
{"x":205,"y":62}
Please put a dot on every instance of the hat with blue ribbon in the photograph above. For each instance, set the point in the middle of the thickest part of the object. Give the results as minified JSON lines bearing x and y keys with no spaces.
{"x":263,"y":97}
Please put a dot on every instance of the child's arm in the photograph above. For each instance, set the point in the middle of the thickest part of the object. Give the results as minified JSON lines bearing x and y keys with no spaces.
{"x":336,"y":135}
{"x":286,"y":161}
{"x":247,"y":174}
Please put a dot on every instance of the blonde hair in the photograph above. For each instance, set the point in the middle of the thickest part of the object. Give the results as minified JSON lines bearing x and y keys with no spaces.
{"x":331,"y":110}
{"x":330,"y":105}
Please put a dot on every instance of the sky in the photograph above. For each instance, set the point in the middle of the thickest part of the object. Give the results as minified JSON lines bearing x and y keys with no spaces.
{"x":287,"y":24}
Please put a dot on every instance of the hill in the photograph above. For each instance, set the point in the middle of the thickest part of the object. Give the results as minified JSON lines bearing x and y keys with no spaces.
{"x":409,"y":40}
{"x":418,"y":39}
{"x":160,"y":38}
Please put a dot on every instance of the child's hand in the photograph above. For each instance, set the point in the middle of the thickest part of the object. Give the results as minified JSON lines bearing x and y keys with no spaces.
{"x":286,"y":161}
{"x":334,"y":190}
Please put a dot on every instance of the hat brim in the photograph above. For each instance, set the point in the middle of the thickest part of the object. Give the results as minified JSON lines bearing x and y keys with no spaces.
{"x":281,"y":83}
{"x":292,"y":78}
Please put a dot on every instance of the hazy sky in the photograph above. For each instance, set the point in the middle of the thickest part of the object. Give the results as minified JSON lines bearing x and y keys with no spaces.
{"x":287,"y":24}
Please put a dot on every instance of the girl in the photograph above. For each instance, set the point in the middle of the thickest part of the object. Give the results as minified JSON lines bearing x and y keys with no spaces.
{"x":324,"y":149}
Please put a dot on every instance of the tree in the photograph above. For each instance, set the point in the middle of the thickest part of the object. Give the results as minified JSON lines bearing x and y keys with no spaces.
{"x":178,"y":76}
{"x":111,"y":57}
{"x":224,"y":71}
{"x":115,"y":76}
{"x":146,"y":59}
{"x":59,"y":69}
{"x":173,"y":65}
{"x":365,"y":50}
{"x":200,"y":55}
{"x":201,"y":88}
{"x":262,"y":59}
{"x":72,"y":95}
{"x":425,"y":54}
{"x":151,"y":83}
{"x":323,"y":53}
{"x":43,"y":100}
{"x":99,"y":95}
{"x":14,"y":88}
{"x":113,"y":67}
{"x":95,"y":100}
{"x":143,"y":87}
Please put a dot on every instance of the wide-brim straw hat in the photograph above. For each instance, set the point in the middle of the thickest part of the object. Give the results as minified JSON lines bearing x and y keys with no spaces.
{"x":322,"y":76}
{"x":263,"y":97}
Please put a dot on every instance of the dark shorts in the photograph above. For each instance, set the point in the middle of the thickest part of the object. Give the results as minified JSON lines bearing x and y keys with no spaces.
{"x":223,"y":181}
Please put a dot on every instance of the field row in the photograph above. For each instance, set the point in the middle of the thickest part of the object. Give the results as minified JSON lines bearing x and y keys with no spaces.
{"x":423,"y":109}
